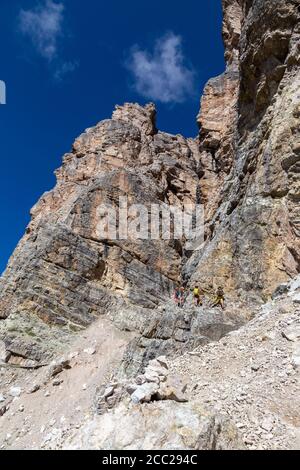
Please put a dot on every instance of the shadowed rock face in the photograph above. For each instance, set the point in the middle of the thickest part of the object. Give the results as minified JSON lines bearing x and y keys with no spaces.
{"x":244,"y":168}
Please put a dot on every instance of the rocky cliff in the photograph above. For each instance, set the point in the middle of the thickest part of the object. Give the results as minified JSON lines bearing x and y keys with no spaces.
{"x":64,"y":274}
{"x":253,"y":237}
{"x":243,"y":168}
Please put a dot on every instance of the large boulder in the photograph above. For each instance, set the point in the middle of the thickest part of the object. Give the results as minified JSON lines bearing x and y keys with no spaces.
{"x":156,"y":426}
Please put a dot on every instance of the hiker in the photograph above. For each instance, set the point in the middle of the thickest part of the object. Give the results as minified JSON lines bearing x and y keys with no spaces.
{"x":197,"y":297}
{"x":182,"y":296}
{"x":220,"y":298}
{"x":177,"y":296}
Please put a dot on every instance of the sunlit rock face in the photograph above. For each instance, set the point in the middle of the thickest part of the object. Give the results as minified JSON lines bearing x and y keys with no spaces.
{"x":253,"y":236}
{"x":63,"y":272}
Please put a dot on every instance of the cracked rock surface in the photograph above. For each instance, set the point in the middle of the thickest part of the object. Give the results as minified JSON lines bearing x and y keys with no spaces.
{"x":84,"y":317}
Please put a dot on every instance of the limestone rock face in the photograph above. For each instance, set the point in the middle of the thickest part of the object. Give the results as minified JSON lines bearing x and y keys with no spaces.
{"x":244,"y":169}
{"x":253,"y":224}
{"x":232,"y":24}
{"x":63,"y":273}
{"x":175,"y":331}
{"x":252,"y":374}
{"x":161,"y":425}
{"x":218,"y":115}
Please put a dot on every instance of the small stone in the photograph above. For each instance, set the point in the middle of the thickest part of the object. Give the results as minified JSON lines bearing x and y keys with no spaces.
{"x":131,"y":388}
{"x":292,"y":333}
{"x":57,"y":382}
{"x":48,"y":438}
{"x":108,"y":392}
{"x":240,"y":425}
{"x":84,"y":387}
{"x":1,"y":398}
{"x":33,"y":389}
{"x":4,"y":354}
{"x":269,"y":336}
{"x":111,"y":401}
{"x":173,"y":389}
{"x":296,"y":362}
{"x":140,"y":380}
{"x":15,"y":392}
{"x":90,"y":351}
{"x":162,"y":360}
{"x":144,"y":393}
{"x":296,"y":298}
{"x":156,"y":364}
{"x":267,"y":424}
{"x":56,"y":367}
{"x":74,"y":354}
{"x":47,"y":394}
{"x":21,"y":408}
{"x":152,"y":377}
{"x":156,"y":370}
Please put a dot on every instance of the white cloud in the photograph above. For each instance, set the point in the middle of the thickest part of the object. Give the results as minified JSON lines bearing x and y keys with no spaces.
{"x":163,"y":74}
{"x":64,"y":69}
{"x":43,"y":25}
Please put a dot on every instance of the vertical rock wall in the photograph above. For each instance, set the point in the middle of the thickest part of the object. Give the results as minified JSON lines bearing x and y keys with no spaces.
{"x":253,"y":217}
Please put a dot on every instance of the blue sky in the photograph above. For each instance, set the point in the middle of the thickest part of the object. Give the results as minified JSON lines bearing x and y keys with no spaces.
{"x":67,"y":63}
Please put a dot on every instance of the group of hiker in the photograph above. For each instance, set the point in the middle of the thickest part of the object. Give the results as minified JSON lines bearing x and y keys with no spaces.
{"x":181,"y":294}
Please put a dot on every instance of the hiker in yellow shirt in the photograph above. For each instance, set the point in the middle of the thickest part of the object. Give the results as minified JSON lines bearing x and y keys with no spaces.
{"x":197,"y":296}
